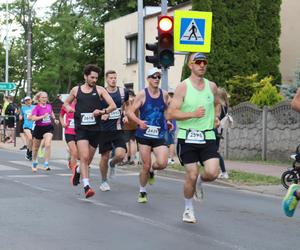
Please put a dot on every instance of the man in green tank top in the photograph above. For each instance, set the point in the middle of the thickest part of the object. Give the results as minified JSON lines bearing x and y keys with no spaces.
{"x":193,"y":107}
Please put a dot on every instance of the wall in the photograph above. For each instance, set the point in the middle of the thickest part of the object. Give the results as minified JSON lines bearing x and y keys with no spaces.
{"x":267,"y":134}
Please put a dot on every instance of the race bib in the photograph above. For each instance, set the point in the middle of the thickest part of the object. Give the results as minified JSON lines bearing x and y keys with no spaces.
{"x":46,"y":119}
{"x":87,"y":119}
{"x":195,"y":136}
{"x":116,"y":114}
{"x":28,"y":113}
{"x":71,"y":123}
{"x":152,"y":131}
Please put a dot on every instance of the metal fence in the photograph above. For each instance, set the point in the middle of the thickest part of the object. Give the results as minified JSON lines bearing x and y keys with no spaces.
{"x":4,"y":129}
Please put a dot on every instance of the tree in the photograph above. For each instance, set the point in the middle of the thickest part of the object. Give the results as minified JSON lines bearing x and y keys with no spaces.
{"x":268,"y":48}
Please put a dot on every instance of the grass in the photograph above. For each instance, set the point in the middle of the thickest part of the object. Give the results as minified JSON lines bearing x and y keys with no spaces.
{"x":242,"y":178}
{"x":250,"y":179}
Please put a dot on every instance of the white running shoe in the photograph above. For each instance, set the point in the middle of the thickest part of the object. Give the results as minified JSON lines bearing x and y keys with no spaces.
{"x":223,"y":175}
{"x":199,"y":194}
{"x":104,"y":187}
{"x":188,"y":216}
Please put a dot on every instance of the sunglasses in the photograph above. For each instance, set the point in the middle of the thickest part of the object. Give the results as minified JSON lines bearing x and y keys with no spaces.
{"x":199,"y":62}
{"x":155,"y":77}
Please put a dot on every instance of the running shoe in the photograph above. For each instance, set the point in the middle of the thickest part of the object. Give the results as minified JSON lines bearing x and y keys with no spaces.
{"x":34,"y":167}
{"x":151,"y":179}
{"x":223,"y":175}
{"x":112,"y":169}
{"x":290,"y":201}
{"x":104,"y":186}
{"x":199,"y":194}
{"x":75,"y":178}
{"x":188,"y":216}
{"x":142,"y":197}
{"x":46,"y":166}
{"x":89,"y":192}
{"x":23,"y":148}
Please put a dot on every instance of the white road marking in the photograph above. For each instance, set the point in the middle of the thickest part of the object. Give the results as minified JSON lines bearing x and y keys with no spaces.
{"x":7,"y":168}
{"x":34,"y":186}
{"x":40,"y":165}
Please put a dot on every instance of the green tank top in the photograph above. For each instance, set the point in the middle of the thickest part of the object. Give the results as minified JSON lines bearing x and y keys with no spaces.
{"x":193,"y":99}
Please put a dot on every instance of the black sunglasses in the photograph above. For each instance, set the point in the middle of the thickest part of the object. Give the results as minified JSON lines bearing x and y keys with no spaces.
{"x":155,"y":77}
{"x":199,"y":61}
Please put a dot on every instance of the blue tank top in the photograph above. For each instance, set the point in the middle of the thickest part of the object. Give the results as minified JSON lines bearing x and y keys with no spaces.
{"x":152,"y":111}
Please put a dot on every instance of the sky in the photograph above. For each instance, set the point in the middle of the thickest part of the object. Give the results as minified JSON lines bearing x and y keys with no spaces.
{"x":40,"y":7}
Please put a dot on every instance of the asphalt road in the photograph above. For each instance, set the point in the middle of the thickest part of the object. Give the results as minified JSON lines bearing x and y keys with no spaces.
{"x":43,"y":211}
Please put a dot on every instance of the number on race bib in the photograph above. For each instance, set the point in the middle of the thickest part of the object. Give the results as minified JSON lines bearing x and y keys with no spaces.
{"x":152,"y":131}
{"x":195,"y":136}
{"x":116,"y":114}
{"x":87,"y":119}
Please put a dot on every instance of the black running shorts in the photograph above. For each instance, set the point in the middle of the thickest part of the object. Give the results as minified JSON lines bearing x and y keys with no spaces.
{"x":111,"y":139}
{"x":191,"y":153}
{"x":39,"y":131}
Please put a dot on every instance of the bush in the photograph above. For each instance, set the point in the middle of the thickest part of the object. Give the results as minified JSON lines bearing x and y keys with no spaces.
{"x":266,"y":94}
{"x":241,"y":88}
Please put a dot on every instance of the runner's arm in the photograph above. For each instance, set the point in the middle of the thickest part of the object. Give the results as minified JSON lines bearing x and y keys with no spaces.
{"x":70,"y":99}
{"x":296,"y":101}
{"x":137,"y":103}
{"x":107,"y":98}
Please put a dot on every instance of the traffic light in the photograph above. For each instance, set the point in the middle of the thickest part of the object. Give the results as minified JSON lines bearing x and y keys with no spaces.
{"x":165,"y":41}
{"x":153,"y":59}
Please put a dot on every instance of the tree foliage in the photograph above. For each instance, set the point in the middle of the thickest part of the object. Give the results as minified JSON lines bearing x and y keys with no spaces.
{"x":245,"y":40}
{"x":267,"y":94}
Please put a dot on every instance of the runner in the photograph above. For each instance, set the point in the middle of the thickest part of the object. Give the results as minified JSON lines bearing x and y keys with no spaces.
{"x":67,"y":121}
{"x":112,"y":135}
{"x":28,"y":124}
{"x":129,"y":135}
{"x":151,"y":102}
{"x":193,"y":106}
{"x":292,"y":197}
{"x":42,"y":114}
{"x":88,"y":110}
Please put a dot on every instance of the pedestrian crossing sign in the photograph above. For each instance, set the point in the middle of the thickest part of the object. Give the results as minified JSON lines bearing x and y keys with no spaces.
{"x":192,"y":31}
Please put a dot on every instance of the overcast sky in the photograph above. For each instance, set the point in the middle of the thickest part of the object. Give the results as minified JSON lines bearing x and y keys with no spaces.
{"x":40,"y":6}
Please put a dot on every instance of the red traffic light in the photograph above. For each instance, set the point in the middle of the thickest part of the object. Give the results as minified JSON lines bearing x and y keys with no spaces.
{"x":165,"y":23}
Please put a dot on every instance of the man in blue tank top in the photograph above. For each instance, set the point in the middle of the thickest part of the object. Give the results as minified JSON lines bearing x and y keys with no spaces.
{"x":88,"y":111}
{"x":151,"y":103}
{"x":112,"y":136}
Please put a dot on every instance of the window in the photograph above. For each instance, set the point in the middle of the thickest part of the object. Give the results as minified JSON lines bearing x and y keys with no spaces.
{"x":131,"y":44}
{"x":128,"y":85}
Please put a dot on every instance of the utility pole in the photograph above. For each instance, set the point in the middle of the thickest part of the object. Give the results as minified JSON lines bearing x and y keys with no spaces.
{"x":141,"y":52}
{"x":6,"y":47}
{"x":164,"y":71}
{"x":29,"y":46}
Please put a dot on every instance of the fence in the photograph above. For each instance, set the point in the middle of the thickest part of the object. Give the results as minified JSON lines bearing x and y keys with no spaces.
{"x":266,"y":134}
{"x":4,"y":128}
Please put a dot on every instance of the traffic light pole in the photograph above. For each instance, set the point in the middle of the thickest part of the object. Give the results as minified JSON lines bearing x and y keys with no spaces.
{"x":141,"y":52}
{"x":164,"y":71}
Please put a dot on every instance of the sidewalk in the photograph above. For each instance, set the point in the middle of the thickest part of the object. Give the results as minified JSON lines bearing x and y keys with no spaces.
{"x":59,"y":152}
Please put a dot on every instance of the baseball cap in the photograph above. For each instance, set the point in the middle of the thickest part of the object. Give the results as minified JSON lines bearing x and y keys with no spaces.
{"x":171,"y":91}
{"x":152,"y":71}
{"x":199,"y":56}
{"x":27,"y":98}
